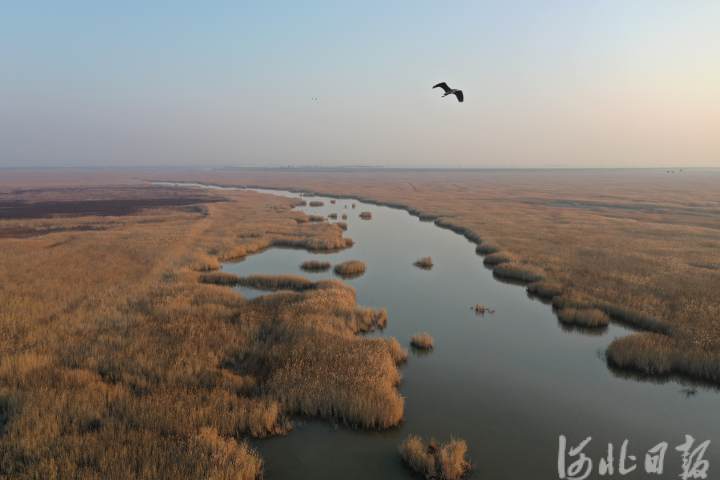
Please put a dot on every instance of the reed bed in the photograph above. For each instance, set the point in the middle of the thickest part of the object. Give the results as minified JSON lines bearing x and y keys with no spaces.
{"x":315,"y":266}
{"x":366,"y":215}
{"x":342,"y":225}
{"x":220,"y":278}
{"x":497,"y":258}
{"x":206,"y":263}
{"x":518,"y":272}
{"x":316,"y":218}
{"x":422,"y":341}
{"x":398,"y":353}
{"x":545,"y":290}
{"x":333,"y":216}
{"x":447,"y":461}
{"x":344,"y":216}
{"x":276,"y":282}
{"x":223,"y":457}
{"x":583,"y":317}
{"x":486,"y":248}
{"x":316,"y":203}
{"x":424,"y":263}
{"x":350,"y":269}
{"x":143,"y":354}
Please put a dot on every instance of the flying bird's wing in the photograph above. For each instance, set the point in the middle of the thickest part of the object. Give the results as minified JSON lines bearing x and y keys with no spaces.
{"x":444,"y":86}
{"x":459,"y":95}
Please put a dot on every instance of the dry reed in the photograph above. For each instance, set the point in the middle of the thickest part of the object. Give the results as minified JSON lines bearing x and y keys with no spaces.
{"x":422,"y":341}
{"x":584,"y":317}
{"x":446,"y":461}
{"x":425,"y":263}
{"x":350,"y":269}
{"x":141,"y":369}
{"x":315,"y":266}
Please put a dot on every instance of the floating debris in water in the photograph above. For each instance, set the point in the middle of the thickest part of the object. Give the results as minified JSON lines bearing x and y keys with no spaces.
{"x":481,"y":309}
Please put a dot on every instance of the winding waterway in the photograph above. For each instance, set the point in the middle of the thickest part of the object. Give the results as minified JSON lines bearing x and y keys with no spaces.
{"x":509,"y":383}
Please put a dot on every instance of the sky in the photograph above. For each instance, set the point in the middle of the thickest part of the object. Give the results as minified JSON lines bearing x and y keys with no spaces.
{"x":547,"y":83}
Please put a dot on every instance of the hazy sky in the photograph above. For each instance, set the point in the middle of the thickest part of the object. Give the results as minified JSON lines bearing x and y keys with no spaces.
{"x":554,"y":83}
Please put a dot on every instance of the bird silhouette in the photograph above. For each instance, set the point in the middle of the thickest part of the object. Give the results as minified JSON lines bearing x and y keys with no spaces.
{"x":450,"y":91}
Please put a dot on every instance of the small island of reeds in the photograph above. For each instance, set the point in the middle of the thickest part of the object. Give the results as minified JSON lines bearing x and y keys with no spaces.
{"x":350,"y":269}
{"x":315,"y":266}
{"x":447,"y":461}
{"x":366,"y":215}
{"x":425,"y":263}
{"x":422,"y":341}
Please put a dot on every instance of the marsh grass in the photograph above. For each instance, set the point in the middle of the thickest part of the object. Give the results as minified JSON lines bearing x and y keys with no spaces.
{"x":584,"y":317}
{"x":316,"y":203}
{"x":486,"y":248}
{"x":333,"y":216}
{"x":350,"y":269}
{"x":342,"y":225}
{"x":316,"y":218}
{"x":656,"y":354}
{"x":497,"y":258}
{"x":431,"y":460}
{"x":398,"y":353}
{"x":140,"y":369}
{"x":220,"y":278}
{"x":422,"y":341}
{"x":425,"y":263}
{"x":276,"y":282}
{"x":344,"y":216}
{"x":518,"y":272}
{"x":315,"y":266}
{"x":545,"y":290}
{"x":224,"y":458}
{"x":206,"y":263}
{"x":366,"y":215}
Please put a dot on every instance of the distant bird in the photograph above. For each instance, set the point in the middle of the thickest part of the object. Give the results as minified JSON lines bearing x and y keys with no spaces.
{"x":450,"y":91}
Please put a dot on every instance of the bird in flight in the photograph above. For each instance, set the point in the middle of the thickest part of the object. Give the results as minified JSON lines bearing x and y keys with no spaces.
{"x":450,"y":91}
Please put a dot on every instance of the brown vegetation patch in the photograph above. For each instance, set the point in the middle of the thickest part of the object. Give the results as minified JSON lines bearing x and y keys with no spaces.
{"x":447,"y":461}
{"x":224,"y":458}
{"x":316,"y":203}
{"x":315,"y":266}
{"x":333,"y":216}
{"x":366,"y":215}
{"x":584,"y":317}
{"x":422,"y":341}
{"x":342,"y":225}
{"x":518,"y":272}
{"x":350,"y":269}
{"x":425,"y":263}
{"x":497,"y":258}
{"x":116,"y":362}
{"x":276,"y":282}
{"x":486,"y":249}
{"x":21,"y":209}
{"x":545,"y":290}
